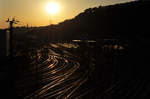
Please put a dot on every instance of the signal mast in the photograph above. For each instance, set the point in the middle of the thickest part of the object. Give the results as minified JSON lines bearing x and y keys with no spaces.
{"x":11,"y":22}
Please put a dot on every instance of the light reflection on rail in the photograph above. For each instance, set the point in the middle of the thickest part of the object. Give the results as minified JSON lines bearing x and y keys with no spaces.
{"x":60,"y":77}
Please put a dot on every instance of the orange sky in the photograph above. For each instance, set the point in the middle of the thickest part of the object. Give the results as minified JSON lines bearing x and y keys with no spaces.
{"x":33,"y":13}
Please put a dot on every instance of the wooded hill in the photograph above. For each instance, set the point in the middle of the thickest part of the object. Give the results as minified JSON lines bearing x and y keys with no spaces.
{"x":127,"y":20}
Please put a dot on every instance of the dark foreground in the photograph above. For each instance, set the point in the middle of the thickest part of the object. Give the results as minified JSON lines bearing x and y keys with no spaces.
{"x":79,"y":71}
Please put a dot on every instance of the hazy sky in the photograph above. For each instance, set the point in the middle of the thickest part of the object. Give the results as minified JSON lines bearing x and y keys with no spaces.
{"x":33,"y":13}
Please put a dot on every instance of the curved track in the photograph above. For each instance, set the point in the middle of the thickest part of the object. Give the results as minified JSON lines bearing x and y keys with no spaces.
{"x":59,"y":77}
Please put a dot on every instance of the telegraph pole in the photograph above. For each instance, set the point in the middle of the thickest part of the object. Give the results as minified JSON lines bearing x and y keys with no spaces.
{"x":11,"y":22}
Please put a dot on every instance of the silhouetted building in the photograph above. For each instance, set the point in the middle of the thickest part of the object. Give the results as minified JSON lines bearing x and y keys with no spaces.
{"x":4,"y":43}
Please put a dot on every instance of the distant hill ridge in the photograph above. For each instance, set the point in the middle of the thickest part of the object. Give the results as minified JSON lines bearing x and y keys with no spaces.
{"x":123,"y":20}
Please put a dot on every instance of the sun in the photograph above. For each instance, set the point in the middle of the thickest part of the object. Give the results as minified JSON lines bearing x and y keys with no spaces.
{"x":52,"y":8}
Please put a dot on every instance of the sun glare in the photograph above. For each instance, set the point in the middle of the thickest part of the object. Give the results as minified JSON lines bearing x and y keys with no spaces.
{"x":52,"y":8}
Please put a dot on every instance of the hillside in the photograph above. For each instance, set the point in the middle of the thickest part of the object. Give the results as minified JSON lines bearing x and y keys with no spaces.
{"x":121,"y":20}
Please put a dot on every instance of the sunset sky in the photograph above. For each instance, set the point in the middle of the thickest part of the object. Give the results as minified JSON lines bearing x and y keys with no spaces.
{"x":34,"y":13}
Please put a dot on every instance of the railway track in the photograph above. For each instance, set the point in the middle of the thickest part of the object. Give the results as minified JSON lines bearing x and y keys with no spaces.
{"x":58,"y":76}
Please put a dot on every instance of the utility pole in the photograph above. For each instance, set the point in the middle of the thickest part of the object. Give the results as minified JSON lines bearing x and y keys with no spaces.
{"x":11,"y":22}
